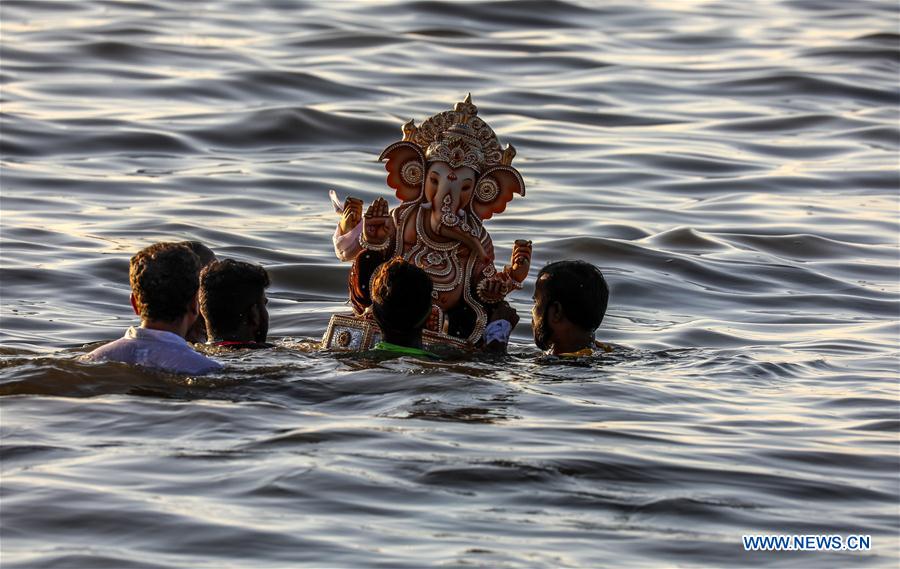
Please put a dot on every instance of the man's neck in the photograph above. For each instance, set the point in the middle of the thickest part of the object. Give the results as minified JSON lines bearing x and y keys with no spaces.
{"x":243,"y":336}
{"x":176,"y":326}
{"x":568,"y":344}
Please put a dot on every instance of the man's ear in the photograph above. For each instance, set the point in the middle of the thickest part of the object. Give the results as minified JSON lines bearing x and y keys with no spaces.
{"x":134,"y":305}
{"x":194,"y":305}
{"x":253,"y":316}
{"x":555,"y":312}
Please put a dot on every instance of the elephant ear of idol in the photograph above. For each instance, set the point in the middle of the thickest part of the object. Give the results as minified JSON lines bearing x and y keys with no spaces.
{"x":496,"y":186}
{"x":406,"y":169}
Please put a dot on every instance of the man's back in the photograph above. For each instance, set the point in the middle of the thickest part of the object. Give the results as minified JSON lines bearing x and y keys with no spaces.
{"x":155,"y":349}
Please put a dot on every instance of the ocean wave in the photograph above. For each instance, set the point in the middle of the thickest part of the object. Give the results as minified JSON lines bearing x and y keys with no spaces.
{"x":731,"y":171}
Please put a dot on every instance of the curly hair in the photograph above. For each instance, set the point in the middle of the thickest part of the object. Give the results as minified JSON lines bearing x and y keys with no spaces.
{"x":204,"y":253}
{"x":228,"y":289}
{"x":164,"y":279}
{"x":401,"y":295}
{"x":580,"y":289}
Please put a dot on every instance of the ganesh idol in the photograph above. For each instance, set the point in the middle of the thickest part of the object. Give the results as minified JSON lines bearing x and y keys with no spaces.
{"x":450,"y":175}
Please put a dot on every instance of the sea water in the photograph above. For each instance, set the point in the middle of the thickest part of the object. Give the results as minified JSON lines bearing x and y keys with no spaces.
{"x":731,"y":167}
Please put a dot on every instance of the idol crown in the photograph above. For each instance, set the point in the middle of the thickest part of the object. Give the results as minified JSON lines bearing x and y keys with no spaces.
{"x":460,"y":138}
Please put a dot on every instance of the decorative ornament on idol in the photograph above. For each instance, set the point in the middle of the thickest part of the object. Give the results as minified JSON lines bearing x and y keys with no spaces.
{"x":450,"y":174}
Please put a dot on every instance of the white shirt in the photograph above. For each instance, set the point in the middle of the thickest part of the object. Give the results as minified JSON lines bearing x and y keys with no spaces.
{"x":155,"y":349}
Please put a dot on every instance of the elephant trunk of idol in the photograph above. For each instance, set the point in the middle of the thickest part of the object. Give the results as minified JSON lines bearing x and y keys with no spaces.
{"x":466,"y":238}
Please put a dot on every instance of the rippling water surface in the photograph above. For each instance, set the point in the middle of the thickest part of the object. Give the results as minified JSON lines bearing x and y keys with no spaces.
{"x":732,"y":167}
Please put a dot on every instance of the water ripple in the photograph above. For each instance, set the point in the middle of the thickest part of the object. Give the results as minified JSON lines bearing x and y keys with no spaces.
{"x":732,"y":171}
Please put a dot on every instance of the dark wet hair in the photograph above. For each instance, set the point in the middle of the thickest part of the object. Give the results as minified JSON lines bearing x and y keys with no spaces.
{"x":228,"y":290}
{"x":401,"y":296}
{"x":164,"y":280}
{"x":579,"y":288}
{"x":205,"y":254}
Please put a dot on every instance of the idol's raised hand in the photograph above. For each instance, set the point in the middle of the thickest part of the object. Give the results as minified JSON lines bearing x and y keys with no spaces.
{"x":377,"y":224}
{"x":351,"y":215}
{"x":520,"y":260}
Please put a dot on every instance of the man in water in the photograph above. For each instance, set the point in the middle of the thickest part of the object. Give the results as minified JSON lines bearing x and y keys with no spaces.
{"x":233,"y":302}
{"x":164,"y":280}
{"x":197,"y":333}
{"x":401,"y":304}
{"x":570,"y":299}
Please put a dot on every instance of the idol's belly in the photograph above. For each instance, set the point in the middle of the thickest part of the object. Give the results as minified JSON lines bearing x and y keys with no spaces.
{"x":447,"y":271}
{"x":449,"y":299}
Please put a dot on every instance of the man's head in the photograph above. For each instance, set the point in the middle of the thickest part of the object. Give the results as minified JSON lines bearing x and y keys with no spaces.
{"x":401,"y":298}
{"x":570,"y":299}
{"x":164,"y":282}
{"x":233,"y":301}
{"x":204,"y":253}
{"x":197,"y":333}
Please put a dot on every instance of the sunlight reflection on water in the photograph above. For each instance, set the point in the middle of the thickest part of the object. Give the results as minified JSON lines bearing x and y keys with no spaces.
{"x":732,"y":170}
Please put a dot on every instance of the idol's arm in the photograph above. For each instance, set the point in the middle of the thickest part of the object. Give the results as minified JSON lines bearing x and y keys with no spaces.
{"x":347,"y":246}
{"x":364,"y":266}
{"x":349,"y":228}
{"x":495,"y":287}
{"x":376,"y":245}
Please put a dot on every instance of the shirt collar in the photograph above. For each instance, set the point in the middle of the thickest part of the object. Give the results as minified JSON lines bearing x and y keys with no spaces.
{"x":135,"y":333}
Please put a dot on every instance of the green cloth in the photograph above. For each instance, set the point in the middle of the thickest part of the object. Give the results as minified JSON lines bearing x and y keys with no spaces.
{"x":402,"y":350}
